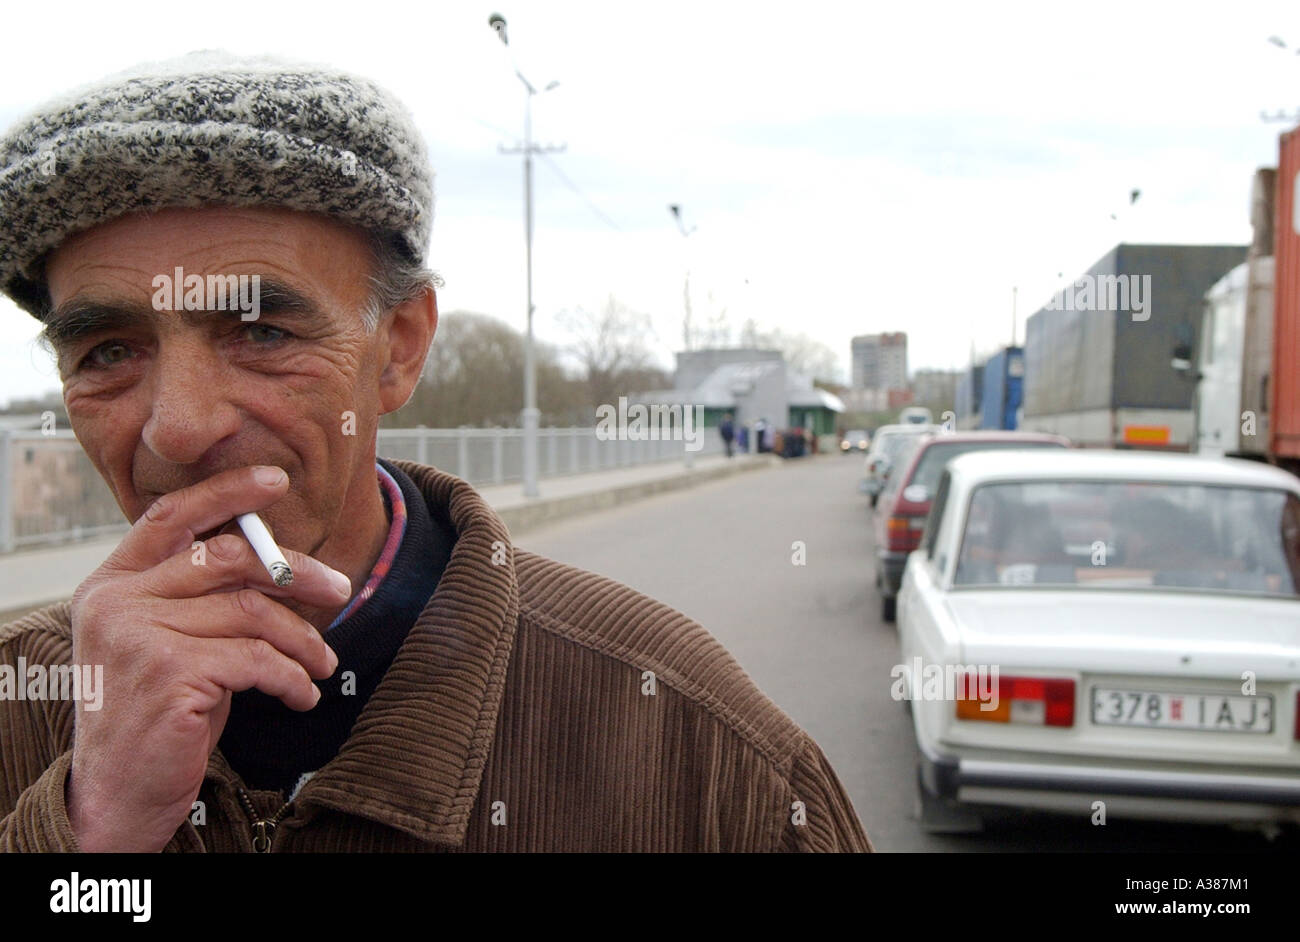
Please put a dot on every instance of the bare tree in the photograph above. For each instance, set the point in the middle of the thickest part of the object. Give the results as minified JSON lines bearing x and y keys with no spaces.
{"x":474,"y":376}
{"x":716,"y":333}
{"x":611,"y":348}
{"x":803,"y":354}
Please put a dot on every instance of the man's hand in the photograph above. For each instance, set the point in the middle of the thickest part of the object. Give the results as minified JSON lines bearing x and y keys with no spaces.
{"x":176,"y":639}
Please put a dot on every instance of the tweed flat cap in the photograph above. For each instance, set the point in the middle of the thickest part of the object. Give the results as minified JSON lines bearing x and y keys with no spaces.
{"x":209,"y":129}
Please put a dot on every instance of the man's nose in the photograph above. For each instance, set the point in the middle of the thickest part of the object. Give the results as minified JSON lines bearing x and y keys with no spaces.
{"x":190,"y":412}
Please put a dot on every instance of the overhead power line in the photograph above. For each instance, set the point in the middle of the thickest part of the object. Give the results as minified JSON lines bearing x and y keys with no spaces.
{"x":600,"y":214}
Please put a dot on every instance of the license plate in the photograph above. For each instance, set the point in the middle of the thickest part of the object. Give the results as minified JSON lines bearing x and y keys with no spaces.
{"x":1200,"y":711}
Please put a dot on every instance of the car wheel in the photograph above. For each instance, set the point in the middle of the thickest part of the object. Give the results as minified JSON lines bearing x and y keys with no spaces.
{"x":888,"y":607}
{"x":943,"y":815}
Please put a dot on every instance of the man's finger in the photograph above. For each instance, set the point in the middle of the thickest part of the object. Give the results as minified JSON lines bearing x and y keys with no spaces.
{"x":171,"y":522}
{"x":228,"y":562}
{"x":244,"y":663}
{"x":247,"y":613}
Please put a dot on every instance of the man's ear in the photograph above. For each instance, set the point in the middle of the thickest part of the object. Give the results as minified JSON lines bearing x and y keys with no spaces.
{"x":408,"y":332}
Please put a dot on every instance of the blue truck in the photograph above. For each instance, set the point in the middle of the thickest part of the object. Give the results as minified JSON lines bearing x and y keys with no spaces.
{"x":1004,"y":389}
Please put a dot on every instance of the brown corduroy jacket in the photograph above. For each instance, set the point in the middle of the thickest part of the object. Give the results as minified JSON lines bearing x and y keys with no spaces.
{"x":532,"y":707}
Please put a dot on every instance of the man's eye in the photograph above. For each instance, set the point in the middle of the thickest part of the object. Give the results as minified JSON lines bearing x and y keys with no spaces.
{"x":265,"y":333}
{"x":106,"y":355}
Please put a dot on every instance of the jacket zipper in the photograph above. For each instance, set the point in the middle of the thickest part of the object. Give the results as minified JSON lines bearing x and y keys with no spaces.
{"x":263,"y":828}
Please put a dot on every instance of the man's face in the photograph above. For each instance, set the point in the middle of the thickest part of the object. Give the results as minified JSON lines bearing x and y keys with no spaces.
{"x":163,"y":399}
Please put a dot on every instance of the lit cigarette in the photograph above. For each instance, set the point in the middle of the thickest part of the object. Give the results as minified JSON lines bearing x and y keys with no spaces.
{"x":260,"y":538}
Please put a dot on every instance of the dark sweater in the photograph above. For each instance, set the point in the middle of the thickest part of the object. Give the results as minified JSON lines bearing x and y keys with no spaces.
{"x":271,"y":746}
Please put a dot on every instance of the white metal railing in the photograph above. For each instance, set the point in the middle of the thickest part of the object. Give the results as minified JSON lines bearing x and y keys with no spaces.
{"x":51,"y":493}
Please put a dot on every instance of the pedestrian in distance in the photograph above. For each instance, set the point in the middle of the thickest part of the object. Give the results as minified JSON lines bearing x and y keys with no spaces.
{"x":727,"y":429}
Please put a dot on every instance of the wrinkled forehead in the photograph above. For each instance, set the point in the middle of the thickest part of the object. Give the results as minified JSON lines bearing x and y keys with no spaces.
{"x":134,"y":254}
{"x":195,"y":268}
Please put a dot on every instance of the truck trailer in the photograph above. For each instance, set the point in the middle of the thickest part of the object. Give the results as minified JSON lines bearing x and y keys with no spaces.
{"x":1284,"y":418}
{"x":1098,"y":368}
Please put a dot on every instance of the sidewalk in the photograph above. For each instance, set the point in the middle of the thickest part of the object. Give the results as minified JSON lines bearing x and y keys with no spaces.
{"x":34,"y":578}
{"x":572,"y":495}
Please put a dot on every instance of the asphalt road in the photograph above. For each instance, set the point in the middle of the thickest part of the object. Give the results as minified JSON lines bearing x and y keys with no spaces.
{"x":811,"y":637}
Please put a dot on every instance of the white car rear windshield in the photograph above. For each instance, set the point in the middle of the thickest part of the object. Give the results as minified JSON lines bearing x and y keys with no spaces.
{"x":940,"y":453}
{"x":1132,"y":535}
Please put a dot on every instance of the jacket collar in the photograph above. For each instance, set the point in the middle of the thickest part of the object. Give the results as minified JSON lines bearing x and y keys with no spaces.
{"x":415,"y":757}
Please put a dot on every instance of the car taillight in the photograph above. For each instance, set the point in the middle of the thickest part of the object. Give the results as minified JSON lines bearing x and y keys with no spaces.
{"x":904,"y":533}
{"x":1037,"y":701}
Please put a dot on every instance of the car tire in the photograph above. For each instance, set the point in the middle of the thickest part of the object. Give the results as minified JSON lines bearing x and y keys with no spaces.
{"x":943,"y":815}
{"x":888,"y":608}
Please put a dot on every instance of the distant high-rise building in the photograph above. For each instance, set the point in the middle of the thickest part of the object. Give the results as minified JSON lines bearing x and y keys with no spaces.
{"x":880,"y":361}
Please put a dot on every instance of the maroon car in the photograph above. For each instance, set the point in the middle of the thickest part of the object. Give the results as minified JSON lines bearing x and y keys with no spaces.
{"x":905,"y":502}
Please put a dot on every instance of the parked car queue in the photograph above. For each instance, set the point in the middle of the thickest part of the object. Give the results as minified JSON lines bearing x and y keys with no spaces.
{"x":1095,"y":629}
{"x":1131,"y":624}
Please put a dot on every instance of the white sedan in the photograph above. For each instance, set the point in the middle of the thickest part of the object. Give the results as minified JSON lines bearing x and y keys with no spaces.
{"x":1106,"y":633}
{"x":889,"y":445}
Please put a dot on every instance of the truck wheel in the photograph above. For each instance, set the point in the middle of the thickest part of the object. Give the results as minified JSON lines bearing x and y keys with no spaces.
{"x":888,"y":607}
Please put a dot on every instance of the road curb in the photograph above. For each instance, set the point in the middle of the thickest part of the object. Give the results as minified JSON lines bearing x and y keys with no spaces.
{"x":524,"y":517}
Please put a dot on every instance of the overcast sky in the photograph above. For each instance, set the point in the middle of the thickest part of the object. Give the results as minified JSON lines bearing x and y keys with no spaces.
{"x":849,"y":168}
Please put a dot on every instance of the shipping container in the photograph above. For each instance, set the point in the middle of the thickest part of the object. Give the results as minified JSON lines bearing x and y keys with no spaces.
{"x":1284,"y":425}
{"x":1004,"y":376}
{"x":1098,"y":364}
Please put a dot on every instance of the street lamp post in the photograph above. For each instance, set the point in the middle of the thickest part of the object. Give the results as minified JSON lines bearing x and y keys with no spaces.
{"x":676,"y":210}
{"x":531,"y":413}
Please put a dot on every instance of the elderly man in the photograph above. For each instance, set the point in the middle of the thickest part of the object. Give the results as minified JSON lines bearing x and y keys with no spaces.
{"x":228,"y":257}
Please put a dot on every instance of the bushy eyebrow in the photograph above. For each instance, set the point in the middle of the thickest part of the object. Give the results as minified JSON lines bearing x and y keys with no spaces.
{"x":281,"y":298}
{"x":78,"y":317}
